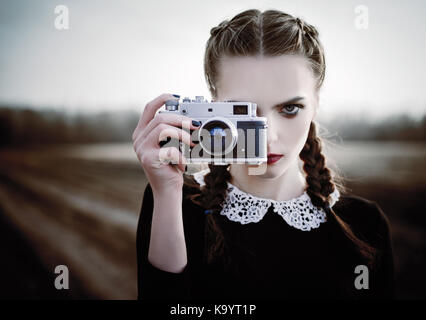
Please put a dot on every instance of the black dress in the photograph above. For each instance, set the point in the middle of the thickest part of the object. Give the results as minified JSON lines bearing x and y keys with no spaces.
{"x":270,"y":258}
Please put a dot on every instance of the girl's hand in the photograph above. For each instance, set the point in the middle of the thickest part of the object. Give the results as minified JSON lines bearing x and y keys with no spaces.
{"x":152,"y":129}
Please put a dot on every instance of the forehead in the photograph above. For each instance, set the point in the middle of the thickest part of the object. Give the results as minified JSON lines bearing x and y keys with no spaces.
{"x":285,"y":75}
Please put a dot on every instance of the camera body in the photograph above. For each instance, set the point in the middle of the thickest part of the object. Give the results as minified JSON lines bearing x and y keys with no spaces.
{"x":230,"y":131}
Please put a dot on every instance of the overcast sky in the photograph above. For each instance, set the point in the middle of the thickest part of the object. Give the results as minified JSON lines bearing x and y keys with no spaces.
{"x":122,"y":54}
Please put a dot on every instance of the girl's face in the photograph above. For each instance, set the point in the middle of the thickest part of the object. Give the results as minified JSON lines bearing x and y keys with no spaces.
{"x":284,"y":89}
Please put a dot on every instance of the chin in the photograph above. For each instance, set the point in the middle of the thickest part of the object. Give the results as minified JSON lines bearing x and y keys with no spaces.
{"x":274,"y":171}
{"x":267,"y":171}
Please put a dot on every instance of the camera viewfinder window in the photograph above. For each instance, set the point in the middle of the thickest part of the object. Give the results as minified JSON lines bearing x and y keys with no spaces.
{"x":240,"y":109}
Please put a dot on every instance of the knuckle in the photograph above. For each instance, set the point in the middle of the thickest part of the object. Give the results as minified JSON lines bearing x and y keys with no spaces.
{"x":160,"y":118}
{"x":136,"y":145}
{"x":143,"y":159}
{"x":141,"y":149}
{"x":169,"y":132}
{"x":149,"y":105}
{"x":134,"y":135}
{"x":138,"y":139}
{"x":162,"y":127}
{"x":185,"y":120}
{"x":165,"y":96}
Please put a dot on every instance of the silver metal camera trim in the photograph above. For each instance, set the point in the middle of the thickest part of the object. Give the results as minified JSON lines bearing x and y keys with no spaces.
{"x":234,"y":134}
{"x":202,"y":114}
{"x":226,"y":161}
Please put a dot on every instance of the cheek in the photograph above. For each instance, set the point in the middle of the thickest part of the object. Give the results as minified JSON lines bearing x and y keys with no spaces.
{"x":295,"y":134}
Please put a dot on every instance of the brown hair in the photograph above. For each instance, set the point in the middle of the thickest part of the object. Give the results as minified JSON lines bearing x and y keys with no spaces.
{"x":270,"y":33}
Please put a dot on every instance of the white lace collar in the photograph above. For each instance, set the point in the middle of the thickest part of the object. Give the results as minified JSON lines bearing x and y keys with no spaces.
{"x":245,"y":208}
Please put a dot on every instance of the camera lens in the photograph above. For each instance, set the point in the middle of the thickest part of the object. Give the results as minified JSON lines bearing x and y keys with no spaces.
{"x":218,"y":137}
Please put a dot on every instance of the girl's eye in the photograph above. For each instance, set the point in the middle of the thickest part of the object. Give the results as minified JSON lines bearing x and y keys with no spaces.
{"x":291,"y":109}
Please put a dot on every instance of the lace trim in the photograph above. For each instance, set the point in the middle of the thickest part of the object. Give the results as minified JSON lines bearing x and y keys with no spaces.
{"x":245,"y":208}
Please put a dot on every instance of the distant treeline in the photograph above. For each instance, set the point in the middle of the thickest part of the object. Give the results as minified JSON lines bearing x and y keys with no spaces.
{"x":27,"y":126}
{"x":395,"y":127}
{"x":19,"y":126}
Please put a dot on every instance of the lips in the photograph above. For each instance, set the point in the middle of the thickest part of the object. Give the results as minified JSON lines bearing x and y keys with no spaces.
{"x":272,"y":157}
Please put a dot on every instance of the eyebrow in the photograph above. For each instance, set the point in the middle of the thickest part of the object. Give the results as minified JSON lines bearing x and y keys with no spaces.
{"x":292,"y":100}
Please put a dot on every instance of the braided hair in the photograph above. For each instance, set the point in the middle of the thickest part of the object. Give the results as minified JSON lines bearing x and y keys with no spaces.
{"x":320,"y":186}
{"x":269,"y":33}
{"x":211,"y":197}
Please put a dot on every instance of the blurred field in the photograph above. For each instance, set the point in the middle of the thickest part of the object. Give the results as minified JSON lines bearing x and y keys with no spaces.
{"x":78,"y":212}
{"x":78,"y":205}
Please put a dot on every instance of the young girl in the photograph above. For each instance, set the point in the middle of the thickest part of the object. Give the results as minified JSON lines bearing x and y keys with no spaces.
{"x":284,"y":233}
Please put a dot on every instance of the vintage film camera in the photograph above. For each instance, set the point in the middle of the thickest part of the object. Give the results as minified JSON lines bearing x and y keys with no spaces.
{"x":230,"y":132}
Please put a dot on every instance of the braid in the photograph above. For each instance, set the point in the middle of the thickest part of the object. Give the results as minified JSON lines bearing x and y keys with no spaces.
{"x":320,"y":186}
{"x":318,"y":178}
{"x":224,"y":25}
{"x":211,"y":197}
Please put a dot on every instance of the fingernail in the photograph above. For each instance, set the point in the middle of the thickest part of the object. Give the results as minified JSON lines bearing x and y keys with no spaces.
{"x":176,"y":95}
{"x":196,"y":123}
{"x":163,"y":142}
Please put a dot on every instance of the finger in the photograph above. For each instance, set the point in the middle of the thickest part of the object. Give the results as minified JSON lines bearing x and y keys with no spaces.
{"x":172,"y":155}
{"x":163,"y":131}
{"x":175,"y":120}
{"x":150,"y":110}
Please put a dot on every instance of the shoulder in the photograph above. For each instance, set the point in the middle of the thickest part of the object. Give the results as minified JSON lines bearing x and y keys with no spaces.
{"x":364,"y":216}
{"x":357,"y":209}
